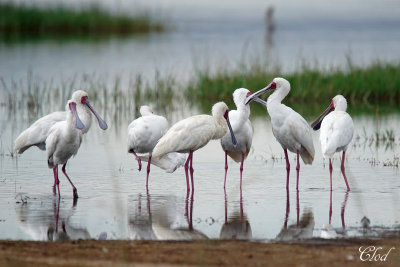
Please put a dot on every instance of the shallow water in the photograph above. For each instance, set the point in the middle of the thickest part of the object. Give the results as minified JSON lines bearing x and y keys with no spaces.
{"x":113,"y":202}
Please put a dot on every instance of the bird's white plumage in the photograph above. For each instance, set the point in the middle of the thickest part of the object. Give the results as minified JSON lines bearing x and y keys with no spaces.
{"x":194,"y":132}
{"x":37,"y":133}
{"x":337,"y":129}
{"x":289,"y":127}
{"x":169,"y":162}
{"x":63,"y":141}
{"x":145,"y":131}
{"x":241,"y":127}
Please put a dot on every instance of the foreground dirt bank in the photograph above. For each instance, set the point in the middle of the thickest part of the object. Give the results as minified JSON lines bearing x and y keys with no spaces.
{"x":206,"y":253}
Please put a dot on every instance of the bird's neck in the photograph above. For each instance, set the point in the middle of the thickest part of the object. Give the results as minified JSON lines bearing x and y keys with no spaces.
{"x":276,"y":97}
{"x":86,"y":117}
{"x":221,"y":127}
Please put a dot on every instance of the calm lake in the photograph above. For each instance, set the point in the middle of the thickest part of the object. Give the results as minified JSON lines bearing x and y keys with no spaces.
{"x":113,"y":202}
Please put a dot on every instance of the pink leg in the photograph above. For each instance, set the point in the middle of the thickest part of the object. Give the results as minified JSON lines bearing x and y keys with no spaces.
{"x":344,"y":174}
{"x":148,"y":171}
{"x":57,"y":213}
{"x":330,"y":171}
{"x":191,"y":172}
{"x":298,"y":170}
{"x":241,"y":172}
{"x":73,"y":187}
{"x":287,"y":208}
{"x":344,"y":208}
{"x":139,"y":161}
{"x":56,"y":180}
{"x":191,"y":214}
{"x":287,"y":168}
{"x":226,"y":167}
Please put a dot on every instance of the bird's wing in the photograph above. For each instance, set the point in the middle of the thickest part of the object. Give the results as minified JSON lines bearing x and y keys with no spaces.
{"x":188,"y":134}
{"x":301,"y":131}
{"x":37,"y":133}
{"x":51,"y":143}
{"x":336,"y":132}
{"x":146,"y":131}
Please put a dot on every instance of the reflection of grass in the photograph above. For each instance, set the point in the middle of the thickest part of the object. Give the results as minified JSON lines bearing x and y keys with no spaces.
{"x":61,"y":21}
{"x":364,"y":88}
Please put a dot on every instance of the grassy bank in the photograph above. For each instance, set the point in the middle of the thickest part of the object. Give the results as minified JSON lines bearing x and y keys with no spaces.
{"x":378,"y":84}
{"x":32,"y":21}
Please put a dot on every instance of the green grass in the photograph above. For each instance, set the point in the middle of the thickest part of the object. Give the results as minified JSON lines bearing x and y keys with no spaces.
{"x":61,"y":21}
{"x":374,"y":88}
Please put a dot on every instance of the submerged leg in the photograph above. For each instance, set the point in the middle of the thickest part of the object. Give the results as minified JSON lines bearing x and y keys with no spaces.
{"x":226,"y":167}
{"x":344,"y":208}
{"x":241,"y":171}
{"x":287,"y":167}
{"x":287,"y":208}
{"x":330,"y":208}
{"x":343,"y":172}
{"x":139,"y":161}
{"x":298,"y":169}
{"x":73,"y":187}
{"x":297,"y":208}
{"x":148,"y":171}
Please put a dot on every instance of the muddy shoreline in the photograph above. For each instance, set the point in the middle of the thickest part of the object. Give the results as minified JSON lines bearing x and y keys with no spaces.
{"x":207,"y":253}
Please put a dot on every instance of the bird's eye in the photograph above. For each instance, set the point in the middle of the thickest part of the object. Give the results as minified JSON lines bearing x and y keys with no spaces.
{"x":83,"y":99}
{"x":273,"y":85}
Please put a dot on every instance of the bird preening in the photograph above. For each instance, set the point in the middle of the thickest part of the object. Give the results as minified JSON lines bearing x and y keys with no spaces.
{"x":150,"y":138}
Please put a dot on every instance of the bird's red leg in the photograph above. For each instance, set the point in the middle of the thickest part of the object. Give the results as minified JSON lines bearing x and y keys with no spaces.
{"x":226,"y":167}
{"x":298,"y":170}
{"x":139,"y":161}
{"x":287,"y":167}
{"x":344,"y":174}
{"x":73,"y":187}
{"x":241,"y":171}
{"x":191,"y":172}
{"x":330,"y":170}
{"x":148,"y":171}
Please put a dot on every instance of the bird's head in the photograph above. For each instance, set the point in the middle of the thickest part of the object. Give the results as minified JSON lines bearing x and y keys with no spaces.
{"x":219,"y":110}
{"x":82,"y":98}
{"x":278,"y":84}
{"x":146,"y":110}
{"x":337,"y":103}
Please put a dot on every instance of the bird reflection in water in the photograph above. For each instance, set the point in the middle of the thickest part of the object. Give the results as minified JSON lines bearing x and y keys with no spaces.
{"x":48,"y":222}
{"x":164,"y":219}
{"x":327,"y":230}
{"x":304,"y":227}
{"x":237,"y":226}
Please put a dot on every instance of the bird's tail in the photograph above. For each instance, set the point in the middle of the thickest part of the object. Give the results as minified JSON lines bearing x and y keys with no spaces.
{"x":169,"y":162}
{"x":306,"y":156}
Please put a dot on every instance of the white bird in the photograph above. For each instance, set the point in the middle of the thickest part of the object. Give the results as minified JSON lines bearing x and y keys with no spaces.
{"x":190,"y":134}
{"x":289,"y":127}
{"x":143,"y":135}
{"x":337,"y":130}
{"x":60,"y":134}
{"x":37,"y":133}
{"x":63,"y":141}
{"x":242,"y":130}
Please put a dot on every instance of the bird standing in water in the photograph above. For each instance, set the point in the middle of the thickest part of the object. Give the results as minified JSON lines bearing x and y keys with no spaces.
{"x":337,"y":130}
{"x":289,"y":127}
{"x":60,"y":134}
{"x":191,"y":134}
{"x":242,"y":130}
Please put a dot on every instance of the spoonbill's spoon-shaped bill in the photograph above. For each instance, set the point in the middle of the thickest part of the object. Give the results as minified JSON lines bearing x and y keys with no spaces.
{"x":226,"y":116}
{"x":254,"y":96}
{"x":78,"y":123}
{"x":102,"y":123}
{"x":317,"y":123}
